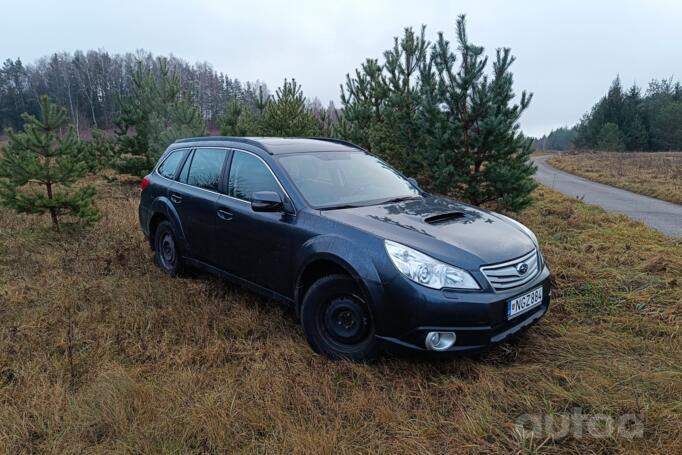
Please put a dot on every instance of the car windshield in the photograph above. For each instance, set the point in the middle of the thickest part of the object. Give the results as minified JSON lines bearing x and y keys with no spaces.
{"x":330,"y":180}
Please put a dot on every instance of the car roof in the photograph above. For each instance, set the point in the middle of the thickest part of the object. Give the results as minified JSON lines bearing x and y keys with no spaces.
{"x":277,"y":145}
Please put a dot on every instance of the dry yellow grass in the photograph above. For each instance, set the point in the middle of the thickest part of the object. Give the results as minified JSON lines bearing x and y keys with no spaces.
{"x":101,"y":352}
{"x":655,"y":174}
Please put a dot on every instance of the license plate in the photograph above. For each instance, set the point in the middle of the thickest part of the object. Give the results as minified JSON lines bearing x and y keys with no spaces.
{"x":523,"y":303}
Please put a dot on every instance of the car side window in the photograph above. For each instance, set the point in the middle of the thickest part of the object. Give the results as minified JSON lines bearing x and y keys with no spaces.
{"x":205,"y":168}
{"x":170,"y":165}
{"x":249,"y":174}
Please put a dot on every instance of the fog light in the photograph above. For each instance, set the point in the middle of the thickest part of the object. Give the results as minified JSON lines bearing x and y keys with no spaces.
{"x":440,"y":341}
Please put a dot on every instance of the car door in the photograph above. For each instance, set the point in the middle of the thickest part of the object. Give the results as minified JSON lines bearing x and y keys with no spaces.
{"x":194,"y":196}
{"x":254,"y":245}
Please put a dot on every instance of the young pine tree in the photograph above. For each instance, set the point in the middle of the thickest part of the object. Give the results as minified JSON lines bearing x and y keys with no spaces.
{"x":286,"y":115}
{"x":440,"y":116}
{"x":99,"y":152}
{"x":229,"y":123}
{"x":40,"y":164}
{"x":239,"y":120}
{"x":491,"y":154}
{"x":402,"y":66}
{"x":157,"y":112}
{"x":363,"y":121}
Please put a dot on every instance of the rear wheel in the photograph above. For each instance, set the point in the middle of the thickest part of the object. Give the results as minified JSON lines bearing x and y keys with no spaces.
{"x":166,"y":252}
{"x":337,"y":321}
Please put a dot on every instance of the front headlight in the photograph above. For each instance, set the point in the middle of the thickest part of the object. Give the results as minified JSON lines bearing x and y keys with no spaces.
{"x":426,"y":270}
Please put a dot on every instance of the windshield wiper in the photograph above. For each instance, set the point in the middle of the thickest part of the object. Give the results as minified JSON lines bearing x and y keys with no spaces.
{"x":400,"y":199}
{"x":342,"y":206}
{"x":385,"y":201}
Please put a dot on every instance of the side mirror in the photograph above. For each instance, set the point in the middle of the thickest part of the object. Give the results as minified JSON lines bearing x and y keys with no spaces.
{"x":266,"y":201}
{"x":414,"y":183}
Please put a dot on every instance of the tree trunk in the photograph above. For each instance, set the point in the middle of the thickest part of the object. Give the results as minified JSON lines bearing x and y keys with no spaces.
{"x":53,"y":211}
{"x":92,"y":111}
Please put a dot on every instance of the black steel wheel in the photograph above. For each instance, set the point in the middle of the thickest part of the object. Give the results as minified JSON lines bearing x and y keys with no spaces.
{"x":167,"y":252}
{"x":337,"y":320}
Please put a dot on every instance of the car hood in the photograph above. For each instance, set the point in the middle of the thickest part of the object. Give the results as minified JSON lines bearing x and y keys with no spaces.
{"x":451,"y":231}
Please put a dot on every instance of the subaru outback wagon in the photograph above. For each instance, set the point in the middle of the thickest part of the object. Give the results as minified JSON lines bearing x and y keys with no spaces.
{"x":367,"y":260}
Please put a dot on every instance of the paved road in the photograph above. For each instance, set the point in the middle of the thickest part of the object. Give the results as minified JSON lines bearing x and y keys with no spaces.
{"x":663,"y":216}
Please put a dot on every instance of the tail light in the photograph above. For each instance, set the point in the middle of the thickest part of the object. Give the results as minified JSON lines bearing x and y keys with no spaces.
{"x":144,"y":183}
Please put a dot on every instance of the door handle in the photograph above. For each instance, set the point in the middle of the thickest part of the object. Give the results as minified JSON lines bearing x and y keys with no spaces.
{"x":176,"y":198}
{"x":224,"y":214}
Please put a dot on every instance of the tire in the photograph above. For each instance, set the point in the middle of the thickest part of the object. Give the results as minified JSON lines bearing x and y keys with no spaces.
{"x":166,"y":250}
{"x":337,"y":321}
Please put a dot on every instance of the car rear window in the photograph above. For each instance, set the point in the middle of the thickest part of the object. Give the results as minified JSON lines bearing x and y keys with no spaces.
{"x":170,"y":165}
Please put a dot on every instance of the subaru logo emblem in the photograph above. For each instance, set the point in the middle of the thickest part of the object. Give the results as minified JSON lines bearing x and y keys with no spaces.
{"x":522,"y":268}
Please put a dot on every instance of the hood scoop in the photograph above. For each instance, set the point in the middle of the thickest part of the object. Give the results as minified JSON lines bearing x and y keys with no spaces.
{"x":443,"y":218}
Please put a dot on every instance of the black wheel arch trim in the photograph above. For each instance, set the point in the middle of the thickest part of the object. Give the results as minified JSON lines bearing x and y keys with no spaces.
{"x":346,"y":255}
{"x":162,"y":205}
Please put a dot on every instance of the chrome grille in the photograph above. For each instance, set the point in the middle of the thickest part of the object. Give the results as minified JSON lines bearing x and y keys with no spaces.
{"x":507,"y":275}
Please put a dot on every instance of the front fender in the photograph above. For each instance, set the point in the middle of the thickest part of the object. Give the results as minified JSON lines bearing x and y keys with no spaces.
{"x":346,"y":254}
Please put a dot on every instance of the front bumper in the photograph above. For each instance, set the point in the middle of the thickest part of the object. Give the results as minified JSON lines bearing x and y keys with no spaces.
{"x":479,"y":319}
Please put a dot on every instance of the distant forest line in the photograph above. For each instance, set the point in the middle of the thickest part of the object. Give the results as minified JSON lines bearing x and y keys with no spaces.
{"x":626,"y":120}
{"x":91,"y":84}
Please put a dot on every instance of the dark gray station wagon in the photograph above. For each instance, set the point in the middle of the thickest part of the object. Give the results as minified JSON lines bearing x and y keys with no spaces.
{"x":366,"y":258}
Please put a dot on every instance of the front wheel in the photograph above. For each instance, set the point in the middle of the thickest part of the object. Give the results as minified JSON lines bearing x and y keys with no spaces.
{"x":337,"y":321}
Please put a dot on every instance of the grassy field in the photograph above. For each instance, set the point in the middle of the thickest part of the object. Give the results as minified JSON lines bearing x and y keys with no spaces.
{"x":101,"y":352}
{"x":656,"y":174}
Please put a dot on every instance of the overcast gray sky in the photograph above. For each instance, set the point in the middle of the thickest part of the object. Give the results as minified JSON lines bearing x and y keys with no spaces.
{"x":567,"y":52}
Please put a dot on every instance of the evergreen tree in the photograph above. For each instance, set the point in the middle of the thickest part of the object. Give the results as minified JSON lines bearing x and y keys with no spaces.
{"x":487,"y":143}
{"x":437,"y":115}
{"x":327,"y":118}
{"x":229,"y":123}
{"x":585,"y":137}
{"x":633,"y":128}
{"x":287,"y":115}
{"x":99,"y":153}
{"x":250,"y":123}
{"x":630,"y":121}
{"x":401,"y":106}
{"x":435,"y":132}
{"x":668,"y":126}
{"x":363,"y":98}
{"x":558,"y":139}
{"x":39,"y":166}
{"x":156,"y":113}
{"x":610,"y":109}
{"x":610,"y":138}
{"x":637,"y":136}
{"x":14,"y":99}
{"x":241,"y":120}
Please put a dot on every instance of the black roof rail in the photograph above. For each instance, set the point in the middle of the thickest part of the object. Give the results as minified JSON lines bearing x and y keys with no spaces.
{"x":337,"y":141}
{"x":242,"y":140}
